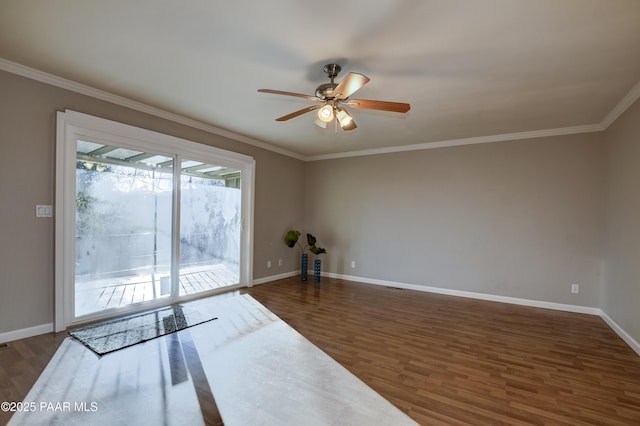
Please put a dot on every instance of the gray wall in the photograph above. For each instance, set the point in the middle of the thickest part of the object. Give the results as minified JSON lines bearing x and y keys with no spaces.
{"x":519,"y":218}
{"x":27,"y":168}
{"x":621,"y":272}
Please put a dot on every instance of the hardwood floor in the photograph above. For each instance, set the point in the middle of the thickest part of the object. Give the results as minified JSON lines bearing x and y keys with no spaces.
{"x":450,"y":360}
{"x":440,"y":359}
{"x":21,"y":364}
{"x":247,"y":367}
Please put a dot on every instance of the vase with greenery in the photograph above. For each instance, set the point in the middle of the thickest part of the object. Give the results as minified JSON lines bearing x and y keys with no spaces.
{"x":316,"y":262}
{"x":291,"y":239}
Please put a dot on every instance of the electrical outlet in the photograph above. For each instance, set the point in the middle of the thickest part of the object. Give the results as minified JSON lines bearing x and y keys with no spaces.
{"x":575,"y":288}
{"x":268,"y":264}
{"x":279,"y":262}
{"x":353,"y":264}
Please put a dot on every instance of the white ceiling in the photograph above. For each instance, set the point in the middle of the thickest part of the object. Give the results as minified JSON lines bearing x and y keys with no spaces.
{"x":469,"y":69}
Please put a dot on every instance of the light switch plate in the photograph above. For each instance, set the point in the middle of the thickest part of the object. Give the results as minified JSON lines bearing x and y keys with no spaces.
{"x":43,"y":210}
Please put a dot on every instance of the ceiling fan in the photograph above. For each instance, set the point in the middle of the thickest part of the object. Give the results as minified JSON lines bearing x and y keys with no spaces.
{"x":333,"y":97}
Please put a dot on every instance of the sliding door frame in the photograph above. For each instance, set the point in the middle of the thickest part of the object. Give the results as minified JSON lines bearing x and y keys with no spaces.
{"x":73,"y":126}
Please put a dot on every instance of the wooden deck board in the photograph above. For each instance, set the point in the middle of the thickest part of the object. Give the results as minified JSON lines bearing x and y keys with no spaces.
{"x":106,"y":294}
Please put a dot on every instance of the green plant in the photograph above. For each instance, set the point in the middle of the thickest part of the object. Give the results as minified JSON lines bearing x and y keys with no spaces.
{"x":317,"y":250}
{"x":291,"y":240}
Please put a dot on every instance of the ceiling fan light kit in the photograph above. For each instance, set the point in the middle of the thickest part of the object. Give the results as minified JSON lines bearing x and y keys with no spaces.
{"x":335,"y":97}
{"x":321,"y":123}
{"x":346,"y":121}
{"x":326,"y":113}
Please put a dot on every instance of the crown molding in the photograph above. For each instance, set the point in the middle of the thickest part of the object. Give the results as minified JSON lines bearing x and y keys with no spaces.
{"x":632,"y":96}
{"x":622,"y":106}
{"x":589,"y":128}
{"x":83,"y":89}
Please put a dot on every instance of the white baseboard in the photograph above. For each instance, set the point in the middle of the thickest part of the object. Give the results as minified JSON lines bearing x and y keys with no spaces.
{"x":23,"y":333}
{"x":473,"y":295}
{"x":620,"y":332}
{"x":48,"y":328}
{"x":275,"y":277}
{"x":513,"y":300}
{"x":10,"y":336}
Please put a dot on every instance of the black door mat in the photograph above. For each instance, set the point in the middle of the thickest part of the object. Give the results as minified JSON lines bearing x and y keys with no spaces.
{"x":113,"y":335}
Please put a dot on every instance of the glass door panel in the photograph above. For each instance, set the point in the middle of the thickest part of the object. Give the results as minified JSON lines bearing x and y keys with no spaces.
{"x":210,"y":227}
{"x":123,"y":246}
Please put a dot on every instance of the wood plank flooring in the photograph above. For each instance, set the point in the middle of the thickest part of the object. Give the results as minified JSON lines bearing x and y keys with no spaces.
{"x":248,"y":367}
{"x":450,"y":360}
{"x":21,"y":364}
{"x":440,"y":359}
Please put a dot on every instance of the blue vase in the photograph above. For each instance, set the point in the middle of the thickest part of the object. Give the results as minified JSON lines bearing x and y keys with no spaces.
{"x":304,"y":266}
{"x":316,"y":270}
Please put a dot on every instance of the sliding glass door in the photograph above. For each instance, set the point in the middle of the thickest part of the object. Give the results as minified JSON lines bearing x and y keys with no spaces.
{"x":140,"y":226}
{"x":123,"y":232}
{"x":210,"y":225}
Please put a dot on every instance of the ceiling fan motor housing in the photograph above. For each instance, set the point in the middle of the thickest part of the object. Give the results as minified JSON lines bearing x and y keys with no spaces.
{"x":325,"y":91}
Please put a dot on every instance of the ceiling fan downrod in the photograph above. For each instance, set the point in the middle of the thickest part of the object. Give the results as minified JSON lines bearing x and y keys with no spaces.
{"x":325,"y":91}
{"x":332,"y":71}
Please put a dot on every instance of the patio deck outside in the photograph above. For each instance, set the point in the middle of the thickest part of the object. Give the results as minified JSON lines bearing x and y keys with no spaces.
{"x":97,"y":295}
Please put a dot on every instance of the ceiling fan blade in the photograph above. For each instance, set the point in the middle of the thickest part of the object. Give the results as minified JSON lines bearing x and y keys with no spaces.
{"x":297,"y":95}
{"x":352,"y":82}
{"x":297,"y":113}
{"x":379,"y":105}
